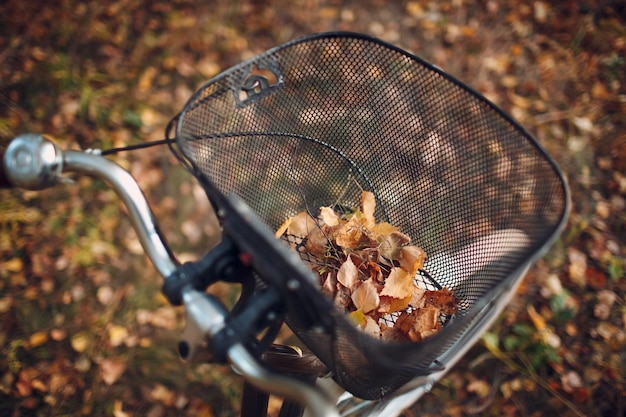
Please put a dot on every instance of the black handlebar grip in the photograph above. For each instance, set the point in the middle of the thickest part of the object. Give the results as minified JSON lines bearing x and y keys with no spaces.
{"x":4,"y":180}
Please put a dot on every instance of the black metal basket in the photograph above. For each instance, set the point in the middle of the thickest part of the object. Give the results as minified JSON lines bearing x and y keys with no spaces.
{"x":316,"y":121}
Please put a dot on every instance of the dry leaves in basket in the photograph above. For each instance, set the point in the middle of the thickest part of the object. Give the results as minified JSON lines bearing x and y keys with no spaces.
{"x":369,"y":270}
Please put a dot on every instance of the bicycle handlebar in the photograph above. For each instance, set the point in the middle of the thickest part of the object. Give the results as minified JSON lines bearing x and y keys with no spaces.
{"x":33,"y":162}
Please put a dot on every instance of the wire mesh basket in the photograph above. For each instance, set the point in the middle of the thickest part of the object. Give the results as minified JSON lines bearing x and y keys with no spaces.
{"x":315,"y":121}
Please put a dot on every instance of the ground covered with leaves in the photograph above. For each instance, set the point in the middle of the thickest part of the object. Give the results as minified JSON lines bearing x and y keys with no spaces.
{"x":84,"y":330}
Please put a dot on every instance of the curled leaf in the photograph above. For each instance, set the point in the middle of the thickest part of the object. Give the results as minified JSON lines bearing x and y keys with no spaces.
{"x":368,"y":204}
{"x":329,"y":217}
{"x":283,"y":228}
{"x":317,"y":242}
{"x":301,"y":225}
{"x":391,"y":244}
{"x":411,"y":258}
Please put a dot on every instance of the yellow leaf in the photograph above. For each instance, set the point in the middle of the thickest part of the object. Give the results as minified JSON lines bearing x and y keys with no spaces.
{"x":536,"y":318}
{"x":118,"y":409}
{"x":365,"y":297}
{"x":358,"y":317}
{"x":14,"y":265}
{"x":37,"y":339}
{"x":79,"y":342}
{"x":399,"y":284}
{"x":368,"y":204}
{"x":329,"y":217}
{"x":117,"y":335}
{"x":348,"y":274}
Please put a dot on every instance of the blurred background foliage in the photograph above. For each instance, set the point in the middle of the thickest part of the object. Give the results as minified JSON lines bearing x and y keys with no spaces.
{"x":84,"y":330}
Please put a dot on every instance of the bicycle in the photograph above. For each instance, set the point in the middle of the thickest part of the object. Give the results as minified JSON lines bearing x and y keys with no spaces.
{"x":313,"y":123}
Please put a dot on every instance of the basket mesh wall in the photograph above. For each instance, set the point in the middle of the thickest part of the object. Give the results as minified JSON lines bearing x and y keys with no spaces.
{"x":315,"y":121}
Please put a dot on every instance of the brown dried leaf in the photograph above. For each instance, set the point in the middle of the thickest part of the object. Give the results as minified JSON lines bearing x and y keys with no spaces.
{"x":443,"y":300}
{"x":301,"y":225}
{"x":420,"y":323}
{"x":365,"y":296}
{"x":329,"y":216}
{"x":118,"y":409}
{"x":329,"y":286}
{"x":375,"y":272}
{"x":382,"y":229}
{"x":368,"y":204}
{"x":342,"y":298}
{"x":348,"y":274}
{"x":392,"y":334}
{"x":479,"y":387}
{"x":391,"y":305}
{"x":111,"y":370}
{"x":317,"y":242}
{"x":418,"y":299}
{"x":391,"y":244}
{"x":283,"y":228}
{"x":411,"y":258}
{"x":371,"y":327}
{"x":399,"y":284}
{"x":350,"y":234}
